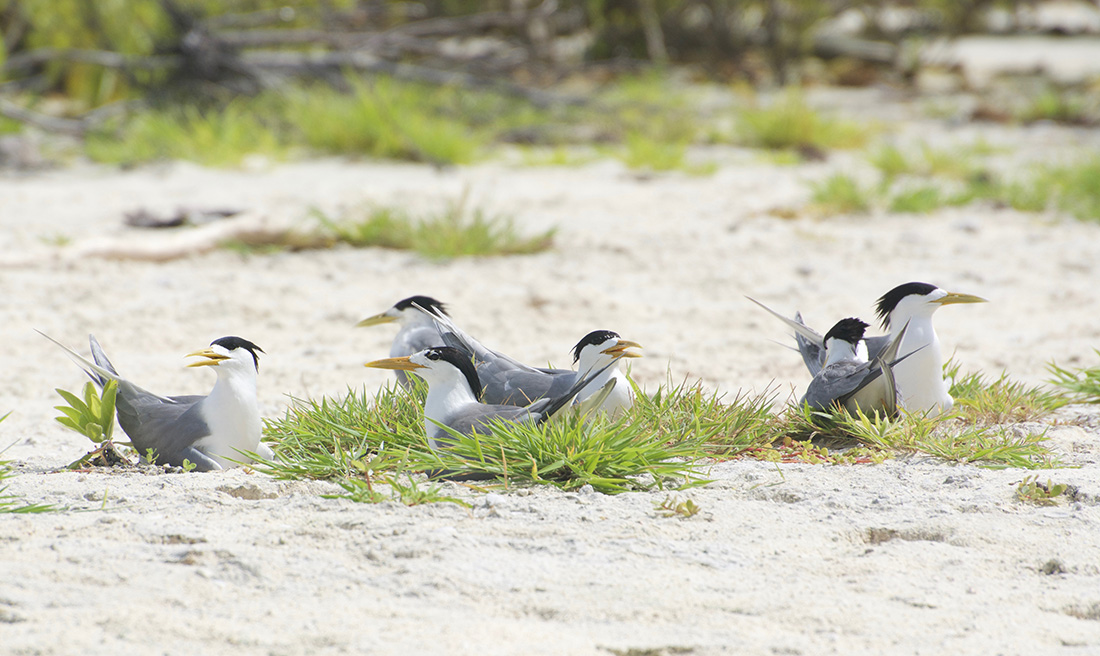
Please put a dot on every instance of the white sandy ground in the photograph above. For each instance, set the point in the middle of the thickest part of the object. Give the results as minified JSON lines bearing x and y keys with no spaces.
{"x":910,"y":557}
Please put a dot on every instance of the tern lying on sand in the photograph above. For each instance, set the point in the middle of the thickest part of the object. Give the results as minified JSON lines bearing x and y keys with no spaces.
{"x":210,"y":431}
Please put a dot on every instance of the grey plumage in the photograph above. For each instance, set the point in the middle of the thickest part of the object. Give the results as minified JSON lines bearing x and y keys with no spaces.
{"x":454,"y":400}
{"x":507,"y":381}
{"x":178,"y":428}
{"x":418,"y":331}
{"x":855,"y":385}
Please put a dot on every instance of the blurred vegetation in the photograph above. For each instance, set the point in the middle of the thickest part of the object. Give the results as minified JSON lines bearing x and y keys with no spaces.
{"x":446,"y":81}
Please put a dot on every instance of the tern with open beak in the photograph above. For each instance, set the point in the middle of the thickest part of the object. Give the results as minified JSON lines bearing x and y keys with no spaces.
{"x":213,"y":431}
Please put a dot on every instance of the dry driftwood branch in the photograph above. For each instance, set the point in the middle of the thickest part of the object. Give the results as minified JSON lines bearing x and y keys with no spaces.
{"x":300,"y":63}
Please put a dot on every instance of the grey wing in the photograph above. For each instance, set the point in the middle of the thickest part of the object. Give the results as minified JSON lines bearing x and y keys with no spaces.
{"x":170,"y":427}
{"x":474,"y":418}
{"x":834,"y":383}
{"x":522,"y":388}
{"x":414,"y":339}
{"x":480,"y":352}
{"x":878,"y":395}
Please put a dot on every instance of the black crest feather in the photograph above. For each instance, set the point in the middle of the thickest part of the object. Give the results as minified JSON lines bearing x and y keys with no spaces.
{"x":850,"y":330}
{"x":890,"y":299}
{"x":232,"y":343}
{"x":426,"y":302}
{"x":461,"y":361}
{"x":594,"y":337}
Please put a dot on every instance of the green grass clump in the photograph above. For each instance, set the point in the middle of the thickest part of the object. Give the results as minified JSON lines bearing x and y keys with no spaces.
{"x":1083,"y":384}
{"x":454,"y":232}
{"x":357,"y":439}
{"x":403,"y":489}
{"x":687,"y":413}
{"x":983,"y":401}
{"x":918,"y":200}
{"x":1058,"y":106}
{"x":949,"y":440}
{"x":215,"y":137}
{"x":612,"y":456}
{"x":841,"y":194}
{"x":790,"y":123}
{"x":334,"y":439}
{"x":382,"y":118}
{"x":9,"y":503}
{"x":1077,"y":188}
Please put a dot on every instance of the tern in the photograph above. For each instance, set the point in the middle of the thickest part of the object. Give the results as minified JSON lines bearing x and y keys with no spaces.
{"x":510,"y":382}
{"x":454,"y":398}
{"x":418,"y":331}
{"x":209,"y":431}
{"x":920,"y":382}
{"x":848,"y":380}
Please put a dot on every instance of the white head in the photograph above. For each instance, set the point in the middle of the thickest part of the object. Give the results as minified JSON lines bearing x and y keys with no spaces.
{"x":231,"y":356}
{"x":844,"y":340}
{"x":405,"y":312}
{"x":601,"y":347}
{"x":438,"y":366}
{"x":915,"y":300}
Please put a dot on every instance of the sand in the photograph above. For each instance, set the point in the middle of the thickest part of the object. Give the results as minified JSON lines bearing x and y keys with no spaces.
{"x":913,"y":556}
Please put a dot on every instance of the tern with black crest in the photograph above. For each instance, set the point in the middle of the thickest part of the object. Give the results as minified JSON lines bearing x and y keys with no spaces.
{"x":418,"y":331}
{"x":920,"y":382}
{"x":454,"y":396}
{"x":212,"y":431}
{"x":505,"y":380}
{"x":851,"y":382}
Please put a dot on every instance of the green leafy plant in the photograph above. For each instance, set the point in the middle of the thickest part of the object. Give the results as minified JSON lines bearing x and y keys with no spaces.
{"x":93,"y":416}
{"x":1031,"y":490}
{"x":674,"y":507}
